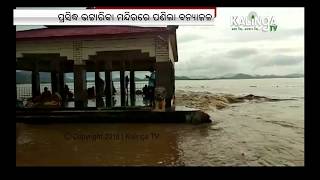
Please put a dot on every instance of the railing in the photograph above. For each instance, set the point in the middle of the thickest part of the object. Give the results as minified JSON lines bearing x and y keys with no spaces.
{"x":139,"y":85}
{"x":24,"y":92}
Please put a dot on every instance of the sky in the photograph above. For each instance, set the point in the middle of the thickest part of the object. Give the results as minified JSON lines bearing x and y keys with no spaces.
{"x":211,"y":51}
{"x":217,"y":50}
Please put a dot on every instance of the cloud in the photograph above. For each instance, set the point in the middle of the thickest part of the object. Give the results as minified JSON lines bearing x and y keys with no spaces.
{"x":281,"y":60}
{"x":206,"y":65}
{"x":217,"y":50}
{"x":188,"y":38}
{"x":295,"y":32}
{"x":286,"y":50}
{"x":280,"y":34}
{"x":240,"y":53}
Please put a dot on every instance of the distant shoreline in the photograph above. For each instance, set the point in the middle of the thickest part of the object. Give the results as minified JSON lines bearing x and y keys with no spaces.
{"x":25,"y":78}
{"x":242,"y":78}
{"x":43,"y":82}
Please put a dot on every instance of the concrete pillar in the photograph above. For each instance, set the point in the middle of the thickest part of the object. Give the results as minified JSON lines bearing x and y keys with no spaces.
{"x":132,"y":89}
{"x":61,"y":82}
{"x":165,"y":78}
{"x":99,"y":89}
{"x":61,"y":90}
{"x":57,"y":83}
{"x":35,"y":80}
{"x":57,"y":77}
{"x":54,"y":81}
{"x":108,"y":88}
{"x":54,"y":76}
{"x":80,"y":86}
{"x":173,"y":84}
{"x":122,"y":88}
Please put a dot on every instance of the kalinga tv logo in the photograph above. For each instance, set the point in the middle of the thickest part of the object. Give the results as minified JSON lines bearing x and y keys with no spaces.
{"x":253,"y":22}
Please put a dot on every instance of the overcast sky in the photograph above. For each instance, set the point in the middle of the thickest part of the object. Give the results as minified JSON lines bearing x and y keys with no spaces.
{"x":217,"y":50}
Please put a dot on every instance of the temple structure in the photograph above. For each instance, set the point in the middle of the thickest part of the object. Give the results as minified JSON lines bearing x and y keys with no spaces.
{"x":81,"y":49}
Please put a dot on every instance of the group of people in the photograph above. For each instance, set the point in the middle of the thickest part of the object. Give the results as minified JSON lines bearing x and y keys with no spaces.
{"x":148,"y":90}
{"x":55,"y":99}
{"x":48,"y":99}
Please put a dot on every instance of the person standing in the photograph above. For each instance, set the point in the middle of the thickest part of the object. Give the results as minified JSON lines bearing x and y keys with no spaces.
{"x":99,"y":92}
{"x":65,"y":95}
{"x":113,"y":89}
{"x":127,"y":83}
{"x":151,"y":86}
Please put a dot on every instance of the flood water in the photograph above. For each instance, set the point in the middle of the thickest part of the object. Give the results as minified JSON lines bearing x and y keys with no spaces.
{"x":243,"y":134}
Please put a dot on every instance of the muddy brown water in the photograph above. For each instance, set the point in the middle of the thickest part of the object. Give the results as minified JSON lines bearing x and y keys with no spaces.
{"x":249,"y":133}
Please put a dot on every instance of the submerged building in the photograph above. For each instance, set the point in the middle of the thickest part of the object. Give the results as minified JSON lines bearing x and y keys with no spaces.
{"x":81,"y":49}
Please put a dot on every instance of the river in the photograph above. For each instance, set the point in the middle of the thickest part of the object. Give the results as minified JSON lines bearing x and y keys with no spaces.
{"x":250,"y":133}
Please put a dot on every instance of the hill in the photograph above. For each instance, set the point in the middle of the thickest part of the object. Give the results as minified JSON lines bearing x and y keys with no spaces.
{"x":24,"y":77}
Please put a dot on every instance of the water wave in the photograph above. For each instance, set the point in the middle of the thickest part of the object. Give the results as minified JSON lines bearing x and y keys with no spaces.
{"x":207,"y":100}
